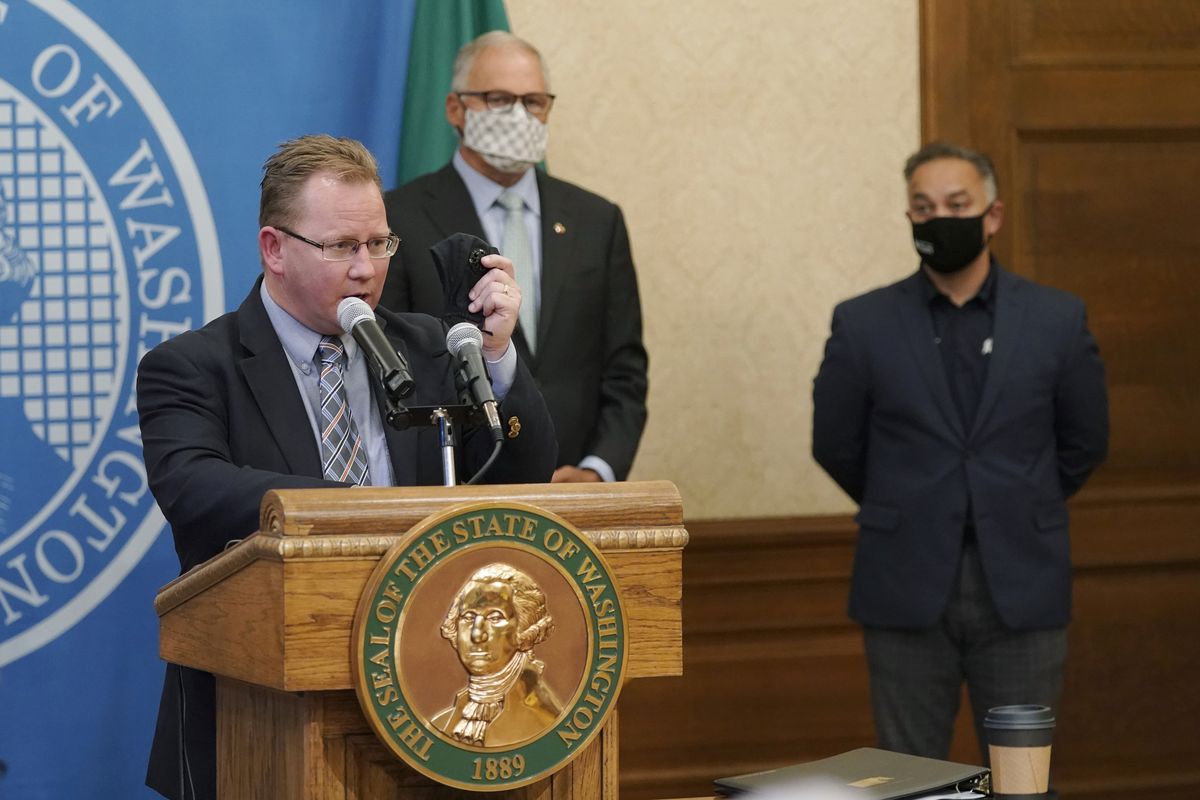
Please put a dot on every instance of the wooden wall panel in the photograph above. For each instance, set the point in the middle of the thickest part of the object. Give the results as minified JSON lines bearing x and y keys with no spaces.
{"x":774,"y":671}
{"x":1103,"y":32}
{"x":1113,"y":220}
{"x":770,"y":660}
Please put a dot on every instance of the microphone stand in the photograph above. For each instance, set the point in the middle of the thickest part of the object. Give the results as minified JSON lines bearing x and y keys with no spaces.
{"x":446,"y":418}
{"x":402,"y":418}
{"x":445,"y":425}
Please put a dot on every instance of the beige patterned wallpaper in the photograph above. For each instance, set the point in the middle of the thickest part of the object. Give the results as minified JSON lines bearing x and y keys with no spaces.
{"x":755,"y":148}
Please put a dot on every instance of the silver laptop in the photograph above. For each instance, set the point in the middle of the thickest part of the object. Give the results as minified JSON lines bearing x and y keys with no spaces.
{"x":866,"y":773}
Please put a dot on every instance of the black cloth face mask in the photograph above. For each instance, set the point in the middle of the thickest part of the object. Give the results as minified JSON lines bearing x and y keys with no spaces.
{"x":947,"y":244}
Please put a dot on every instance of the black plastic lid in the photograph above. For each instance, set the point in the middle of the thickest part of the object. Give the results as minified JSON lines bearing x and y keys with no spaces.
{"x":1019,"y":717}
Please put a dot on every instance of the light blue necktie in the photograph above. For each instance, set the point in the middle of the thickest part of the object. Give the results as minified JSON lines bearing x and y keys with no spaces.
{"x":343,"y":457}
{"x":516,"y":248}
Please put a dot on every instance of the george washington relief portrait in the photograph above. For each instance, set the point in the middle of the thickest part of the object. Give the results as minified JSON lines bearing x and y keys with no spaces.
{"x":494,"y":622}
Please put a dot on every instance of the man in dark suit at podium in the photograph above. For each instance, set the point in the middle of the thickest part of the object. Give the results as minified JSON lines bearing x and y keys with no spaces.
{"x":273,"y":395}
{"x":959,"y":408}
{"x":581,"y":324}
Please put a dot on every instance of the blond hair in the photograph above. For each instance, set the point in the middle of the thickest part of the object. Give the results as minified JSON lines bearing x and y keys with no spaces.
{"x":296,"y":160}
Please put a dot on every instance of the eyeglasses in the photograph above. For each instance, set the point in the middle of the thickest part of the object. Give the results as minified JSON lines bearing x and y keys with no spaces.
{"x":536,"y":103}
{"x":344,"y":249}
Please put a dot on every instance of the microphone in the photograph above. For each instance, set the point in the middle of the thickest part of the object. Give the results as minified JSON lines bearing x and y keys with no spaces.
{"x":465,"y":342}
{"x":358,"y":320}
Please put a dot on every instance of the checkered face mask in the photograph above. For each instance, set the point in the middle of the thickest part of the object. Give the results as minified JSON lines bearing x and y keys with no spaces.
{"x":511,"y":141}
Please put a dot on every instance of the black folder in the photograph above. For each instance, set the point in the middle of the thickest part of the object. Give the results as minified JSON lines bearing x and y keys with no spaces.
{"x":866,"y":773}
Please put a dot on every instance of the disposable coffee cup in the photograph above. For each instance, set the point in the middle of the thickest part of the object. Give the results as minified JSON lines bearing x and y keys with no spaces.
{"x":1019,"y":740}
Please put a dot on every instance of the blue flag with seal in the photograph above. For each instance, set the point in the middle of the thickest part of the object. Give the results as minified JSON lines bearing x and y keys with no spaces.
{"x":132,"y":136}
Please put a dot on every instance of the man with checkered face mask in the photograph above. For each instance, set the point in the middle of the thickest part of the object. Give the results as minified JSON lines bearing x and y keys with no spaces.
{"x":580,"y":328}
{"x":510,"y":140}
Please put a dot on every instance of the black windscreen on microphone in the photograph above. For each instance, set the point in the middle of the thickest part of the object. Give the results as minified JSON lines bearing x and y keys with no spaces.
{"x":465,"y":342}
{"x":358,"y":320}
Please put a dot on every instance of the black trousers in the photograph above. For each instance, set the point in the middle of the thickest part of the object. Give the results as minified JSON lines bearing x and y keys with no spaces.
{"x":917,"y":675}
{"x":183,"y":756}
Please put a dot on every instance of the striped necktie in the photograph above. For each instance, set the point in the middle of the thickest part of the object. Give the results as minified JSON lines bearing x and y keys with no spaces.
{"x":517,"y":249}
{"x":343,"y":457}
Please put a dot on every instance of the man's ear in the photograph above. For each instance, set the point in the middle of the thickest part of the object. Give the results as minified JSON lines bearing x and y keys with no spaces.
{"x":456,"y":112}
{"x":270,"y":249}
{"x":993,"y":219}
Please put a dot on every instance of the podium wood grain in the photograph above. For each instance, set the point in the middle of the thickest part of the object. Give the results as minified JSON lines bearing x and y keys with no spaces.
{"x":321,"y":747}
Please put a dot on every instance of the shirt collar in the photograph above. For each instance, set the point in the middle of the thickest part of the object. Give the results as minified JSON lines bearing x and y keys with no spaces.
{"x":298,"y":340}
{"x":484,"y":191}
{"x":986,"y":293}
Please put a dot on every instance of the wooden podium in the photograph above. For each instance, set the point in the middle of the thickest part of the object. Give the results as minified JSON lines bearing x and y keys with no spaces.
{"x":272,"y":618}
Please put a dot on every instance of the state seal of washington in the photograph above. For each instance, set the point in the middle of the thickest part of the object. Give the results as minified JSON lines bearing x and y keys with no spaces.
{"x":107,"y":247}
{"x":489,"y":646}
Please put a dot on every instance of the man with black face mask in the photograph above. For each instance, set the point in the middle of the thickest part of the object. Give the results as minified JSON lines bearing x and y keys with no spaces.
{"x":580,"y":330}
{"x":959,"y":408}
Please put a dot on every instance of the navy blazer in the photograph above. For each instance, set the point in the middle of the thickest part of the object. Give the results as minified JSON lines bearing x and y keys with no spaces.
{"x":222,"y":422}
{"x":589,"y":361}
{"x":886,"y":429}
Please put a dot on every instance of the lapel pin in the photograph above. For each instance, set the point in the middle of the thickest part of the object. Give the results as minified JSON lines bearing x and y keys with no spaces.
{"x":514,"y":427}
{"x":559,"y":228}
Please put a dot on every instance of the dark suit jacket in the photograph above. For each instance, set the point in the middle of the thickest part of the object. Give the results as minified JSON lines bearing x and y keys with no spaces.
{"x":222,"y":422}
{"x":590,"y":363}
{"x":885,"y":427}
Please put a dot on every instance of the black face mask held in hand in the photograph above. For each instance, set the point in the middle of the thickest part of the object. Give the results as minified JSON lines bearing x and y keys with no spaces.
{"x":457,"y":260}
{"x":947,"y":244}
